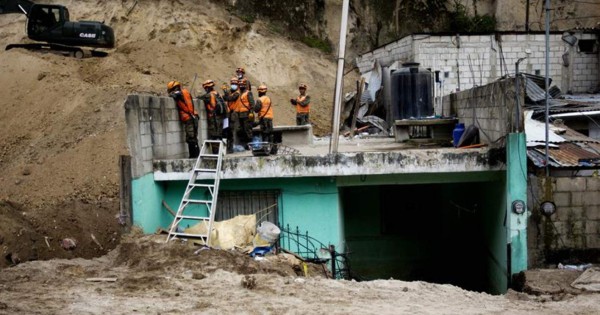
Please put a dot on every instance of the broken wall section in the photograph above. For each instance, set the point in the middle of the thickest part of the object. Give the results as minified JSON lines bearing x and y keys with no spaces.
{"x":491,"y":108}
{"x":154,"y":131}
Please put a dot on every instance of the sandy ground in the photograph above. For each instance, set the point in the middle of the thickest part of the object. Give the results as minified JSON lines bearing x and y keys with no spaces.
{"x":157,"y":278}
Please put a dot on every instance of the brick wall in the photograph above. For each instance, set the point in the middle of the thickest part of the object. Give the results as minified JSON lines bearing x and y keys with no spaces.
{"x":155,"y":132}
{"x":476,"y":60}
{"x":490,"y":108}
{"x":576,"y":223}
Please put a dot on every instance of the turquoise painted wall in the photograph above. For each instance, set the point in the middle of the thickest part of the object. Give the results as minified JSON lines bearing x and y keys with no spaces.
{"x":312,"y":204}
{"x":516,"y":183}
{"x":147,"y":196}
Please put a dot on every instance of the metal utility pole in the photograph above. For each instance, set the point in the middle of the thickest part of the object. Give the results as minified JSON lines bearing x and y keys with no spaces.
{"x":527,"y":17}
{"x":335,"y":132}
{"x":547,"y":84}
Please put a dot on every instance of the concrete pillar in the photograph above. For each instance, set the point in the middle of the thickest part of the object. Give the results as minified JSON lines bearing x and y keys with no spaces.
{"x":516,"y":181}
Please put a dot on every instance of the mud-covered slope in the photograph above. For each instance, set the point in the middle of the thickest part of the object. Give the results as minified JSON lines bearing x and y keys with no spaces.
{"x":62,"y":125}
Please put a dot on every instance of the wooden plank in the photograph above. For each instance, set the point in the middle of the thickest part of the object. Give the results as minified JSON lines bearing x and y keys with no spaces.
{"x":356,"y":104}
{"x":112,"y":279}
{"x":125,"y":212}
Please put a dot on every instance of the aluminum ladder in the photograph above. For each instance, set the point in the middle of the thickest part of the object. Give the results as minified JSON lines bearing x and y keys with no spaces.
{"x":205,"y":178}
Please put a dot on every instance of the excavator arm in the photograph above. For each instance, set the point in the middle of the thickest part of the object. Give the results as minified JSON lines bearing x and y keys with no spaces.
{"x":15,"y":6}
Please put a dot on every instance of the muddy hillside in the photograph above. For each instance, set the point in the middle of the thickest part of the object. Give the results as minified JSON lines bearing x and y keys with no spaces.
{"x":62,"y":125}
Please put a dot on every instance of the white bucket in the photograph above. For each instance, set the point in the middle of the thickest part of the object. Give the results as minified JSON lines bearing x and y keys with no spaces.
{"x":268,"y":232}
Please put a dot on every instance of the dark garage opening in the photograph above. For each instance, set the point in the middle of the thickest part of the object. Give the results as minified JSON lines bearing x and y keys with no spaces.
{"x":442,"y":233}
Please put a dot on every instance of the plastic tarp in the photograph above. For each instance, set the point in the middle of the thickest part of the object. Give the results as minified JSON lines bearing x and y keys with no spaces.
{"x":236,"y":232}
{"x":589,"y":280}
{"x":373,"y":78}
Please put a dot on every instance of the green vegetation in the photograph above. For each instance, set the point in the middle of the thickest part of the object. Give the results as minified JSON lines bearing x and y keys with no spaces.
{"x":314,"y":42}
{"x":462,"y":22}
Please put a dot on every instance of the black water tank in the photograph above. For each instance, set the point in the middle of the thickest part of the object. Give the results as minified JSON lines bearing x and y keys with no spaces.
{"x":412,"y":92}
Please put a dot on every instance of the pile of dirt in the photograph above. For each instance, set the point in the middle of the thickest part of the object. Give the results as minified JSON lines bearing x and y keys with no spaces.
{"x":62,"y":124}
{"x":145,"y":276}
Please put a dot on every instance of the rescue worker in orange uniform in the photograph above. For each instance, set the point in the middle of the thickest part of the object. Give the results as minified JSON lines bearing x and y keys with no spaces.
{"x":216,"y":112}
{"x":245,"y":111}
{"x":264,"y":109}
{"x":302,"y":103}
{"x":231,"y":96}
{"x":241,"y":74}
{"x":187,"y":114}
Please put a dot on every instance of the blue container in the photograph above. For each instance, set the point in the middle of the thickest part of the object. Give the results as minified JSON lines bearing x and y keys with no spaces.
{"x":457,"y":133}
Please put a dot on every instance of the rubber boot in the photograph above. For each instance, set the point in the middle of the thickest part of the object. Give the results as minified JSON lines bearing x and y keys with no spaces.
{"x":194,"y":150}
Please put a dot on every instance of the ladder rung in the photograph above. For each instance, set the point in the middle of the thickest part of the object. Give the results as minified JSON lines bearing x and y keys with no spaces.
{"x":197,"y":201}
{"x":203,"y":185}
{"x":192,"y":217}
{"x":210,"y":155}
{"x":189,"y":235}
{"x":210,"y":170}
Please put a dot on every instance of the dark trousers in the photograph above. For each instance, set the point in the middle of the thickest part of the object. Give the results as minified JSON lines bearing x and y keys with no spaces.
{"x":302,"y":119}
{"x":266,"y":129}
{"x":245,"y":132}
{"x":190,"y":128}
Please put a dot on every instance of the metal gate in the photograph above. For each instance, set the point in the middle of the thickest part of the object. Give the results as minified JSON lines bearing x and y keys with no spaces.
{"x":243,"y":202}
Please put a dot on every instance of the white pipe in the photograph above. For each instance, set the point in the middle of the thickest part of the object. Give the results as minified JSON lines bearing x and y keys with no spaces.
{"x":547,"y":162}
{"x":335,"y":133}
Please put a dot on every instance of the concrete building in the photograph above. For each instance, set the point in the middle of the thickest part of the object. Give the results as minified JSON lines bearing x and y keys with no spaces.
{"x":466,"y":61}
{"x":400,"y":210}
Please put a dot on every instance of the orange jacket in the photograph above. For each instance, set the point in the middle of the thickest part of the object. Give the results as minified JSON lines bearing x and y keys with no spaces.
{"x":266,"y":110}
{"x":233,"y":100}
{"x":302,"y":109}
{"x":212,"y":103}
{"x":244,"y":105}
{"x":186,"y":106}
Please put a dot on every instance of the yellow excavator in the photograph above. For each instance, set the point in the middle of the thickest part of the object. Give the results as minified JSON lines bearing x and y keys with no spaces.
{"x":50,"y":24}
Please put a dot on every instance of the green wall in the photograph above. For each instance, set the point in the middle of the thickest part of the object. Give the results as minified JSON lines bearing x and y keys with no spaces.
{"x":147,"y":196}
{"x":516,"y":174}
{"x":312,"y":204}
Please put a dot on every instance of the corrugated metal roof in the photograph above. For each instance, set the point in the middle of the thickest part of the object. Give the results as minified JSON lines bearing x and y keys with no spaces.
{"x":566,"y":155}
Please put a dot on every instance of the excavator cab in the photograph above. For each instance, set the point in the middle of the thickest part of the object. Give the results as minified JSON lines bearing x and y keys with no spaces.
{"x":43,"y":19}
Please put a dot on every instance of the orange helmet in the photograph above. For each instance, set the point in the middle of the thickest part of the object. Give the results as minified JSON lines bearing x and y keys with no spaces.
{"x":262,"y":88}
{"x":173,"y":84}
{"x":208,"y":83}
{"x":233,"y":80}
{"x":240,"y":69}
{"x":303,"y":86}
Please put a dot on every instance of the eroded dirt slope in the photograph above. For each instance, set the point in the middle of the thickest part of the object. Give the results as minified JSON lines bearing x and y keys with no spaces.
{"x":62,"y":124}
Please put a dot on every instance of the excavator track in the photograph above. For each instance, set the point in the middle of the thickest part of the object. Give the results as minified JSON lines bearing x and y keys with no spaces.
{"x":76,"y":52}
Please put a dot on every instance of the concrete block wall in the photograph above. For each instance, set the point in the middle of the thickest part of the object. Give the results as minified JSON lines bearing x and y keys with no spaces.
{"x":576,"y":223}
{"x":480,"y":59}
{"x":585,"y":67}
{"x":154,"y":131}
{"x":486,"y":107}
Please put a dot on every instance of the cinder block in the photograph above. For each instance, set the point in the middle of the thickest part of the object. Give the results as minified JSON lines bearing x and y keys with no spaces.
{"x":593,"y":241}
{"x":577,"y":198}
{"x":562,"y":199}
{"x":571,"y":184}
{"x":146,"y":141}
{"x":144,"y":128}
{"x":174,"y":126}
{"x":147,"y":154}
{"x":591,"y":198}
{"x":592,"y":212}
{"x":592,"y":227}
{"x":570,"y":213}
